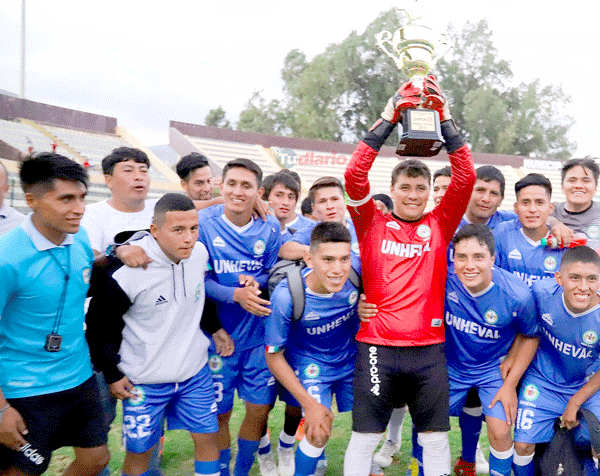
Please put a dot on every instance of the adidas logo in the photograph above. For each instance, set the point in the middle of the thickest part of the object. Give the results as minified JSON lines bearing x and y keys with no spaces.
{"x":392,"y":224}
{"x":161,"y":300}
{"x":312,"y":316}
{"x":515,"y":254}
{"x":453,"y":297}
{"x":218,"y":241}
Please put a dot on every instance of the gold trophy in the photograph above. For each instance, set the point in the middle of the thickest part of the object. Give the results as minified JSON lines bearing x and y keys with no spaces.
{"x":415,"y":50}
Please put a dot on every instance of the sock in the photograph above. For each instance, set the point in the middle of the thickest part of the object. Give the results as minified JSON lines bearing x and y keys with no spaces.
{"x":150,"y":472}
{"x":290,"y":424}
{"x":436,"y":453}
{"x":264,"y":445}
{"x":286,"y":440}
{"x":470,"y":421}
{"x":224,"y":460}
{"x":501,"y":461}
{"x":307,"y":457}
{"x":395,"y":425}
{"x":417,"y":449}
{"x":205,"y":468}
{"x":523,"y":465}
{"x":359,"y":453}
{"x":245,"y":457}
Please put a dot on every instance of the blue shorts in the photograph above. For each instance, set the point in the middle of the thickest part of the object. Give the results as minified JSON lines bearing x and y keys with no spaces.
{"x":487,"y":384}
{"x":246,"y":371}
{"x":322,"y":382}
{"x":188,"y":405}
{"x":540,"y":407}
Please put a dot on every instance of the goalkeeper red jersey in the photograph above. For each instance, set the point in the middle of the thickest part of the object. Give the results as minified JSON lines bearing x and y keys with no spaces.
{"x":404,"y":263}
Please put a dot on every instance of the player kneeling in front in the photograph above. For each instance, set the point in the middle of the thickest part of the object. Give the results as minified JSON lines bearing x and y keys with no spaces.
{"x":319,"y":347}
{"x":144,"y":334}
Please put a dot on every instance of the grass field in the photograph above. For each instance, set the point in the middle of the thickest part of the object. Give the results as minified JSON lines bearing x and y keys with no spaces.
{"x":178,"y":456}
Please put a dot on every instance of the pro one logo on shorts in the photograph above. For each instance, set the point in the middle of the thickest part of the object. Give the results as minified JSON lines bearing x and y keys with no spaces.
{"x":491,"y":317}
{"x":531,"y":393}
{"x":353,"y":297}
{"x":259,"y":247}
{"x":550,"y":263}
{"x":590,"y":337}
{"x":138,"y":396}
{"x":312,"y":371}
{"x":374,"y":370}
{"x":423,"y":231}
{"x":593,"y":232}
{"x":85,"y":274}
{"x":32,"y":455}
{"x":215,"y":364}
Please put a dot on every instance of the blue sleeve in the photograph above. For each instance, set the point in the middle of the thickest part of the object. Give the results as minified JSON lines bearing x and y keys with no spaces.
{"x":277,"y":324}
{"x":302,"y":236}
{"x":500,"y":255}
{"x":527,"y":320}
{"x":217,"y":291}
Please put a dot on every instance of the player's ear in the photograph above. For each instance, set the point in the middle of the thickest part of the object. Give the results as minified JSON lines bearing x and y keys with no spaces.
{"x":308,"y":259}
{"x":153,"y":230}
{"x":551,"y":208}
{"x":558,"y":278}
{"x":515,"y":207}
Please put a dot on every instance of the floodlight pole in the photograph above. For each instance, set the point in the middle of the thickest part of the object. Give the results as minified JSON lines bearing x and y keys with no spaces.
{"x":23,"y":48}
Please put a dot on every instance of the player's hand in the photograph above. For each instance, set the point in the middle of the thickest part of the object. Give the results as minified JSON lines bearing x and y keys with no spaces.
{"x":260,"y":209}
{"x":133,"y":256}
{"x":317,"y":424}
{"x":407,"y":97}
{"x":121,"y":389}
{"x":569,"y":419}
{"x":223,"y":343}
{"x":246,"y":280}
{"x":366,"y":310}
{"x":506,"y":366}
{"x":434,"y":99}
{"x":507,"y":396}
{"x":12,"y":429}
{"x":248,"y":298}
{"x":562,"y":233}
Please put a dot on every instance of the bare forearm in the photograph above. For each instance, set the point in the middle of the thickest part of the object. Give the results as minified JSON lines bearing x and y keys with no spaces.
{"x":293,"y":250}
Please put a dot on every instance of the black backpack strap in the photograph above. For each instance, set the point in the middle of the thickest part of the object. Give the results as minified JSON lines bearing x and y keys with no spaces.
{"x":355,"y":279}
{"x":593,"y":426}
{"x":297,"y":291}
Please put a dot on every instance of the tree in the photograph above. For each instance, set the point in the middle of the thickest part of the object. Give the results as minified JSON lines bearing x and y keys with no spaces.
{"x":262,"y":116}
{"x":216,"y":118}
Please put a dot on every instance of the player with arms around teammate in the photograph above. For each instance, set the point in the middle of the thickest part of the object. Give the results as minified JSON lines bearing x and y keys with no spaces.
{"x":561,"y":378}
{"x":402,"y":347}
{"x":319,"y":348}
{"x":241,"y":250}
{"x":48,"y":397}
{"x":145,"y":336}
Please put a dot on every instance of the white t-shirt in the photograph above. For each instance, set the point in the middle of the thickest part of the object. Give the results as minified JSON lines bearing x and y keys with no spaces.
{"x":102,"y":222}
{"x":9,"y":218}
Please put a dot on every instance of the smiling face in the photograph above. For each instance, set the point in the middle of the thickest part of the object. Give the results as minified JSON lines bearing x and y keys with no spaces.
{"x":485,"y":200}
{"x":581,"y":283}
{"x":579,"y":188}
{"x":197,"y":185}
{"x":533,"y":206}
{"x":331,"y":264}
{"x":473,"y":264}
{"x":177,"y":234}
{"x":240,"y":191}
{"x":410,"y":195}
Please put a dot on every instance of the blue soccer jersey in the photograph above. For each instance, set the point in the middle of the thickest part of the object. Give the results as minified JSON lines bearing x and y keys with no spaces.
{"x":250,"y":250}
{"x":527,"y":259}
{"x":291,"y":228}
{"x":325,"y":333}
{"x":569,"y":347}
{"x":302,"y":236}
{"x":34,"y":291}
{"x":481,"y":328}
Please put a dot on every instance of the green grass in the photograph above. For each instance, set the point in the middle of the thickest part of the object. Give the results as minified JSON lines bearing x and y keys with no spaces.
{"x":178,"y":455}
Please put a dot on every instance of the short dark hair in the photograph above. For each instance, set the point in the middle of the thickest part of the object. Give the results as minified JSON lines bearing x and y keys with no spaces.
{"x":123,"y":154}
{"x":387,"y":201}
{"x":489,"y":173}
{"x":443,"y":172}
{"x":306,"y":206}
{"x":324,"y":182}
{"x":480,"y":232}
{"x":41,"y":169}
{"x":294,"y":175}
{"x":281,"y":178}
{"x":534,"y":179}
{"x":329,"y":232}
{"x":580,"y":254}
{"x":244,"y":164}
{"x":171,"y":202}
{"x":189,"y":163}
{"x":586,"y":163}
{"x":411,"y":168}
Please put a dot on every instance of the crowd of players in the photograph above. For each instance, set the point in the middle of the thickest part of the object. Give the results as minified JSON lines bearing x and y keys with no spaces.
{"x":484,"y":323}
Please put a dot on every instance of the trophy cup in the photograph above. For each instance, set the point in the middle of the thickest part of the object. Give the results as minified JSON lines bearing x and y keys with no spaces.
{"x":415,"y":50}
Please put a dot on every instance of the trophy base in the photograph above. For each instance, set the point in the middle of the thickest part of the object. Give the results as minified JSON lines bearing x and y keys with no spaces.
{"x":421,"y":133}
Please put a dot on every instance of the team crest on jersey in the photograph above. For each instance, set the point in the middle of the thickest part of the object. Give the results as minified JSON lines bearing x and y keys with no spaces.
{"x":355,"y":248}
{"x":353,"y":297}
{"x":85,"y":274}
{"x":515,"y":254}
{"x":139,"y":396}
{"x":436,"y":322}
{"x":546,"y":317}
{"x":590,"y":337}
{"x":531,"y":393}
{"x":491,"y":317}
{"x":550,"y":263}
{"x":312,"y":371}
{"x":593,"y":232}
{"x":198,"y":293}
{"x":259,"y":247}
{"x":215,"y":364}
{"x":423,"y":231}
{"x":218,"y":242}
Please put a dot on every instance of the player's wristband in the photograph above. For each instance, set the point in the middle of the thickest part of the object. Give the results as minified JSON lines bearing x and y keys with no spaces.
{"x":377,"y":136}
{"x":451,"y":135}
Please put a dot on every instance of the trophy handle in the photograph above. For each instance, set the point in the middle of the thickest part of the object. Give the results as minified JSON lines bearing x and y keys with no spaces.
{"x":441,"y":48}
{"x":382,"y":38}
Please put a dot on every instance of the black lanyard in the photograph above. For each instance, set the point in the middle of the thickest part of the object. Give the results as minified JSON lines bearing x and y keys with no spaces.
{"x":63,"y":295}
